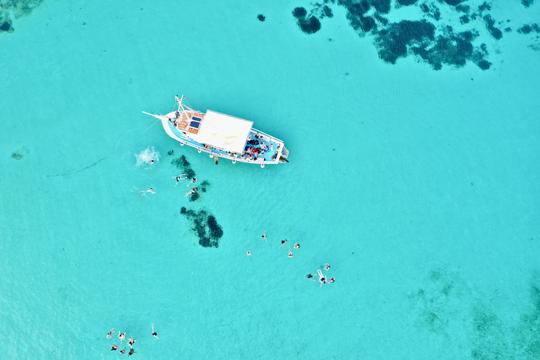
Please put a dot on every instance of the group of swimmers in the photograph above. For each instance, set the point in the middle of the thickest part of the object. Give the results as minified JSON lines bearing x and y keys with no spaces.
{"x":322,"y":278}
{"x":130,"y":341}
{"x":192,"y":181}
{"x":296,"y":246}
{"x":150,"y":190}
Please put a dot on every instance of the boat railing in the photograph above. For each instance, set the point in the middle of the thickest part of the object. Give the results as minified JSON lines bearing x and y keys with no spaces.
{"x":225,"y":155}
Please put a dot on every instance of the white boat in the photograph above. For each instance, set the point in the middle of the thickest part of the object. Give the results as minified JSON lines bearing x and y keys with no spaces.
{"x":222,"y":136}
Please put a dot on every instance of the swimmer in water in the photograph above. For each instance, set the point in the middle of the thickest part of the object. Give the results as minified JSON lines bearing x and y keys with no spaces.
{"x":290,"y":255}
{"x":150,"y":190}
{"x":283,"y":242}
{"x":332,"y":280}
{"x":309,"y":276}
{"x":322,"y":278}
{"x":131,"y":352}
{"x":248,"y":253}
{"x":109,"y":334}
{"x":121,"y":335}
{"x":154,"y":332}
{"x":131,"y":342}
{"x":114,"y":347}
{"x":180,"y":177}
{"x":296,"y":246}
{"x":326,"y":267}
{"x":192,"y":191}
{"x":123,"y":351}
{"x":263,"y":236}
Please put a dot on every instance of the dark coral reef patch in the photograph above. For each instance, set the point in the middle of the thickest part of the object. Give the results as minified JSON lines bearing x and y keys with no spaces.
{"x":309,"y":24}
{"x":13,"y":9}
{"x":205,"y":226}
{"x":6,"y":25}
{"x":429,"y":38}
{"x":406,"y":2}
{"x":393,"y":41}
{"x":16,"y":155}
{"x":527,"y":29}
{"x":493,"y":30}
{"x":183,"y":164}
{"x":19,"y":153}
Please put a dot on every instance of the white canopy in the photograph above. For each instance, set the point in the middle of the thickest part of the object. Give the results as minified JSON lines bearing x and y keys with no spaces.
{"x":224,"y":131}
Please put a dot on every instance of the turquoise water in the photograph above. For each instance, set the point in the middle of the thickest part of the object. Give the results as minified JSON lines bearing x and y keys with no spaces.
{"x":419,"y":186}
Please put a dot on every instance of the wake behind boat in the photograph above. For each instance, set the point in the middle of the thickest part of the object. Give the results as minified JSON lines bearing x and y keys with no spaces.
{"x":222,"y":136}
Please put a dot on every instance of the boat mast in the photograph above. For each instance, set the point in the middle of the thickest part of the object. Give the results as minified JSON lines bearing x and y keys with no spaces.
{"x":181,"y":106}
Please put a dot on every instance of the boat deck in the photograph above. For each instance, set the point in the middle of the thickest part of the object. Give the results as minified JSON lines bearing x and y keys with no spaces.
{"x":260,"y":147}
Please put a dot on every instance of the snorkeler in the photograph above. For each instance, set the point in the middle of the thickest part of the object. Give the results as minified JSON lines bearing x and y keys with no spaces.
{"x":131,"y":341}
{"x":123,"y":351}
{"x":322,"y":279}
{"x":180,"y":177}
{"x":154,"y":332}
{"x":290,"y":255}
{"x":193,"y":180}
{"x":114,"y":347}
{"x":150,"y":190}
{"x":326,"y":267}
{"x":296,"y":245}
{"x":109,"y":334}
{"x":332,"y":280}
{"x":249,"y":253}
{"x":121,"y":335}
{"x":309,"y":276}
{"x":131,"y":352}
{"x":283,"y":242}
{"x":192,"y":191}
{"x":263,"y":236}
